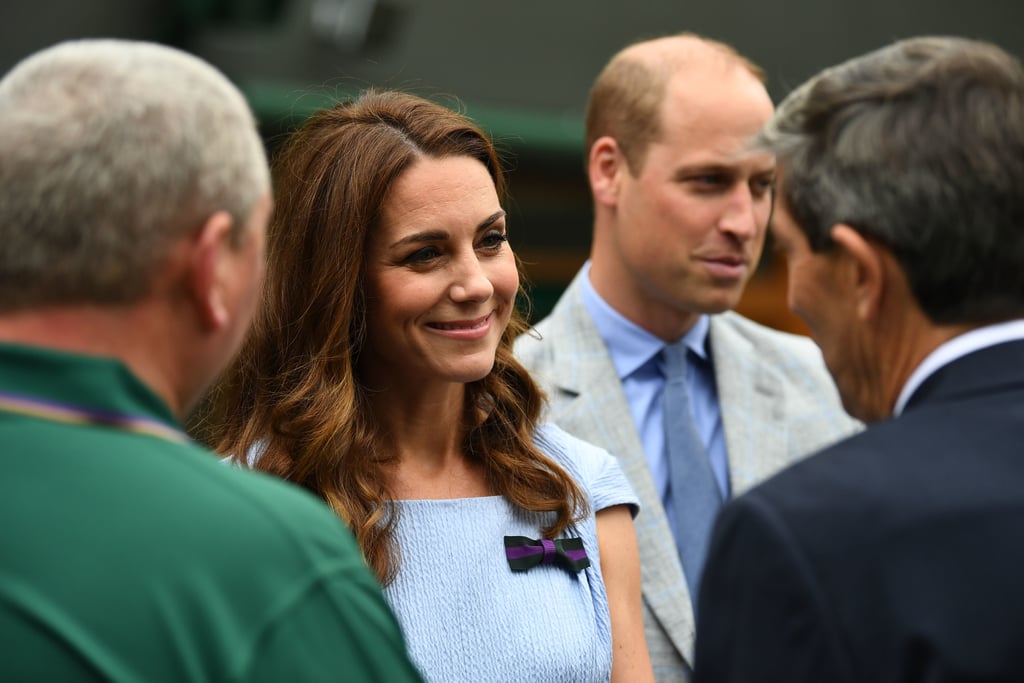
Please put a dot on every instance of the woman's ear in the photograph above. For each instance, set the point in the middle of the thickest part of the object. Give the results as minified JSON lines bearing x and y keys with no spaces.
{"x":865,"y":273}
{"x":605,"y":166}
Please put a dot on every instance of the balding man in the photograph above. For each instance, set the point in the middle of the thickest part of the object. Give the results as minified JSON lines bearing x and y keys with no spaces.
{"x":642,"y":355}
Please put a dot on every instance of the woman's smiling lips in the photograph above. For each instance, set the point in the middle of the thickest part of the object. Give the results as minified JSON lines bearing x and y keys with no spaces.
{"x":463,"y":329}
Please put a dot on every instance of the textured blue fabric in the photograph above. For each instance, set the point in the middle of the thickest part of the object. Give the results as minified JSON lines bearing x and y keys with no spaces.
{"x":694,"y":490}
{"x":468,"y":617}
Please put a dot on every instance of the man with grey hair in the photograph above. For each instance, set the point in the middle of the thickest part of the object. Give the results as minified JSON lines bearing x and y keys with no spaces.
{"x":134,"y":195}
{"x":891,"y":556}
{"x":642,"y":355}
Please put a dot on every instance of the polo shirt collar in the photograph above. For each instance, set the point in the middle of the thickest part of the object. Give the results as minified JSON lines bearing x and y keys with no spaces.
{"x":93,"y":383}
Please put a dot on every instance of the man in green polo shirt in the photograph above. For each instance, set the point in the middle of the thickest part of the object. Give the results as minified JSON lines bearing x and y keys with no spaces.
{"x":133,"y":203}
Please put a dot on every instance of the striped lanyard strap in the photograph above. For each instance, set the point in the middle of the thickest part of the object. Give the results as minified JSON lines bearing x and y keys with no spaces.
{"x":71,"y":414}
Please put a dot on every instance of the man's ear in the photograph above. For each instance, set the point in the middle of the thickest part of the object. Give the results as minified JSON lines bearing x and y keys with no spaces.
{"x":605,"y":167}
{"x":208,"y":269}
{"x":865,"y":273}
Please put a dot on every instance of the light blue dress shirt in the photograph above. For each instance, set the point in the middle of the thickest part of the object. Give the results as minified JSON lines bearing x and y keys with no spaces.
{"x":634,"y":353}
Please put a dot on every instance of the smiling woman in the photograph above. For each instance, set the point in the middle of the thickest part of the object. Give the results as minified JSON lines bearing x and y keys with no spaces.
{"x":441,"y":275}
{"x":380,"y":376}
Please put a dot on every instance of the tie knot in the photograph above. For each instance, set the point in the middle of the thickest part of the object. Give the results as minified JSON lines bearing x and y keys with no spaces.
{"x":675,"y":358}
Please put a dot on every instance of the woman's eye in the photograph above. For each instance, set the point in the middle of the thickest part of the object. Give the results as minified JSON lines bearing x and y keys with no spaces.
{"x":493,"y":240}
{"x":424,"y":255}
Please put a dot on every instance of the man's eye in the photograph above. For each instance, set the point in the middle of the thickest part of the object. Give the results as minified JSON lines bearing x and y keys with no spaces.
{"x":762,"y":186}
{"x":710,"y":183}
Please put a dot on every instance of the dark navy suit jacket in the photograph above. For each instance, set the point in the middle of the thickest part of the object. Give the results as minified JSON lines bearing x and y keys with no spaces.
{"x":896,"y":555}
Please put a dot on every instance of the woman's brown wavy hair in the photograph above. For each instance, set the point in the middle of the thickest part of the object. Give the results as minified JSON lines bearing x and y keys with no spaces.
{"x":294,"y":392}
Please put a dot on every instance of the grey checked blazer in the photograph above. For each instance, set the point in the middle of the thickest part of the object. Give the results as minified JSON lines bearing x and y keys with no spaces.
{"x":778,"y":404}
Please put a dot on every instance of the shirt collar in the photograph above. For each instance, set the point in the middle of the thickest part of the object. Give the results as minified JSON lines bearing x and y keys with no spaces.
{"x":629,"y":345}
{"x":957,"y":347}
{"x":696,"y":338}
{"x":98,"y":384}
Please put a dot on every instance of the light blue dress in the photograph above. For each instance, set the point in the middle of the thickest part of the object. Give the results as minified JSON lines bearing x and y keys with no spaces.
{"x":468,"y":617}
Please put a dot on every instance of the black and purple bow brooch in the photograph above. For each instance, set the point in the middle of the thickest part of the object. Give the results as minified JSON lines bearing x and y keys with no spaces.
{"x":525,"y":553}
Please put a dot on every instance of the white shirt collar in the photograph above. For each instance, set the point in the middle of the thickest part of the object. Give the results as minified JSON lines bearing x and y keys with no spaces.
{"x":957,"y":347}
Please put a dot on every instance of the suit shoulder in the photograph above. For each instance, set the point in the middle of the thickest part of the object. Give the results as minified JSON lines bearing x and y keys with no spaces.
{"x":839,"y":476}
{"x":789,"y":353}
{"x":791,"y":362}
{"x":533,"y":343}
{"x":536,"y":341}
{"x":568,"y":319}
{"x":767,"y":338}
{"x":538,"y":349}
{"x":571,"y":452}
{"x":275,"y":513}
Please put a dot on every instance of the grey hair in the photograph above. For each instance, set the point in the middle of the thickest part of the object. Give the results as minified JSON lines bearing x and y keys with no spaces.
{"x":110,"y":150}
{"x":919,"y":146}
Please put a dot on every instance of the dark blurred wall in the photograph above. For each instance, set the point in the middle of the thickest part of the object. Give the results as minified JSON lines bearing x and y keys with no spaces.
{"x":28,"y":25}
{"x":522,"y":69}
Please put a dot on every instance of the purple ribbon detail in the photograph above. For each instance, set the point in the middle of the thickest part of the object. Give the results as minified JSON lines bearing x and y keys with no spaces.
{"x":549,"y":551}
{"x":525,"y":553}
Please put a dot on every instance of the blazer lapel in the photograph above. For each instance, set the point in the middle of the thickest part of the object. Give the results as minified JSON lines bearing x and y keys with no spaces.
{"x":592,"y":405}
{"x":752,"y":398}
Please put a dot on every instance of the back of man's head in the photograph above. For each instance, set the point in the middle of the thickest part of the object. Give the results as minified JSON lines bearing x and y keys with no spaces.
{"x":110,"y":151}
{"x":920,"y":147}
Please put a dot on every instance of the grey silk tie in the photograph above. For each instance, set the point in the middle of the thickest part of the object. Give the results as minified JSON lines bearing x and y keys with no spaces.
{"x":693,"y":488}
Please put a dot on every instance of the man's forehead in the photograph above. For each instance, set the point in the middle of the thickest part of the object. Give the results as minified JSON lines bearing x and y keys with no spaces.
{"x":733,"y":102}
{"x":727,"y":154}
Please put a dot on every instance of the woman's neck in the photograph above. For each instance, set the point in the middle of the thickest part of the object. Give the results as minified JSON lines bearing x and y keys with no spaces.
{"x":425,"y":427}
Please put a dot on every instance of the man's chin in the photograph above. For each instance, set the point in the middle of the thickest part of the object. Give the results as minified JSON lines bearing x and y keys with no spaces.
{"x":719,"y":304}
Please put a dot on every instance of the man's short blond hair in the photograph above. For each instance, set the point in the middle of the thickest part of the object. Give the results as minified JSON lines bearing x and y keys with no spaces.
{"x":625,"y":101}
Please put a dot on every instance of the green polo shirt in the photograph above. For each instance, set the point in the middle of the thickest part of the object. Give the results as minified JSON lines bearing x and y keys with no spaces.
{"x":128,"y":553}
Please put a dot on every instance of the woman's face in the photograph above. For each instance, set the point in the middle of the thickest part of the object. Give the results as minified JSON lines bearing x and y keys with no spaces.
{"x":441,"y":279}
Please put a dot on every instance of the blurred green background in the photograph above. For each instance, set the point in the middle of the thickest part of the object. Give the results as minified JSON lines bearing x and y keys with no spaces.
{"x":521,"y":69}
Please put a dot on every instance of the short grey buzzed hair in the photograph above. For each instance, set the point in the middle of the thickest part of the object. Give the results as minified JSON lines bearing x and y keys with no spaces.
{"x":109,"y":151}
{"x":920,"y":147}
